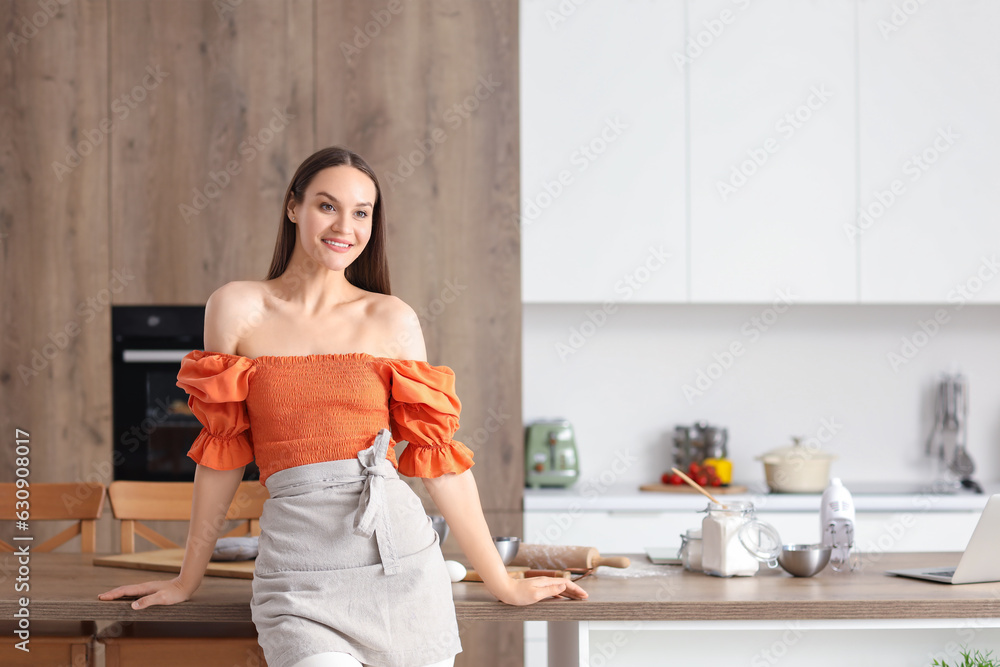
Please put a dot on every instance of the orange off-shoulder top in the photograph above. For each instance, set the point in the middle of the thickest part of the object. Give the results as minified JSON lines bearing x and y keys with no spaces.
{"x":286,"y":411}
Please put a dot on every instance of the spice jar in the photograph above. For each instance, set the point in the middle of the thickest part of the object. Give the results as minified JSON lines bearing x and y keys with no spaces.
{"x":723,"y":552}
{"x":691,"y":550}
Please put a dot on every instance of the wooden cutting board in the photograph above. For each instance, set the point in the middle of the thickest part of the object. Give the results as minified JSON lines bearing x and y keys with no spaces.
{"x":169,"y":560}
{"x":684,"y":488}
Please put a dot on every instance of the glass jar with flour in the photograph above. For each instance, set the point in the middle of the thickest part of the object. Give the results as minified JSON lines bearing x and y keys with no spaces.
{"x":691,"y":550}
{"x":724,"y":553}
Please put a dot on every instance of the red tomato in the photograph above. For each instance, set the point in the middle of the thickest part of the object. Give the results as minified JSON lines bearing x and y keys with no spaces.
{"x":665,"y":479}
{"x":676,"y":479}
{"x":715,"y":481}
{"x":702,"y":480}
{"x":710,"y":470}
{"x":694,"y":469}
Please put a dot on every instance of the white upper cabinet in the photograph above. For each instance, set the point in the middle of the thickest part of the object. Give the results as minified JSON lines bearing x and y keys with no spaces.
{"x":603,"y":211}
{"x":740,"y":151}
{"x":929,"y":143}
{"x":773,"y":161}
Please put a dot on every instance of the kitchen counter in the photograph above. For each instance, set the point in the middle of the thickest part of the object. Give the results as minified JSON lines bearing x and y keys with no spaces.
{"x":631,"y":614}
{"x":584,"y":497}
{"x":657,"y":615}
{"x":649,"y":592}
{"x":65,"y":587}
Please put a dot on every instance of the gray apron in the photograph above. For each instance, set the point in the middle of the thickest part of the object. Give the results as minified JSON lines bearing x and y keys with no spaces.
{"x":349,"y":561}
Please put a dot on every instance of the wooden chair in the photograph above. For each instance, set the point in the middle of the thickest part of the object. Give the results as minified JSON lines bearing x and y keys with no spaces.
{"x":134,"y":502}
{"x":156,"y":644}
{"x":53,"y":642}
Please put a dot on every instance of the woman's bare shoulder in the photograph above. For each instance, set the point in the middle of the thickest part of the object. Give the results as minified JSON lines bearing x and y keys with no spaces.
{"x":227,"y":312}
{"x":239,"y":294}
{"x":387,"y":306}
{"x":397,"y":324}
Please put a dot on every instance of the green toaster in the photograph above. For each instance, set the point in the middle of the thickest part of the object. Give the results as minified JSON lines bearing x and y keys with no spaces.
{"x":550,"y":454}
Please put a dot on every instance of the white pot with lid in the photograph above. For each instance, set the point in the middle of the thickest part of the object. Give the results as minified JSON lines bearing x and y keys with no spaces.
{"x":797,"y":468}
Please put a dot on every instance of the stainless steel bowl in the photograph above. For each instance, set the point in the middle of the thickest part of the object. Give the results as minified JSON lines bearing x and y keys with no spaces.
{"x":440,"y":527}
{"x":804,"y":560}
{"x":507,"y":546}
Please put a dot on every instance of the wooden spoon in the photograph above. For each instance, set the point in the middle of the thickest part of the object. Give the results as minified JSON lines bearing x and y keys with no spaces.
{"x":698,"y":487}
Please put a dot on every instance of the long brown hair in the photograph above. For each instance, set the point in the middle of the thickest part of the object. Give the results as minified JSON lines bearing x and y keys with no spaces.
{"x":370,"y":271}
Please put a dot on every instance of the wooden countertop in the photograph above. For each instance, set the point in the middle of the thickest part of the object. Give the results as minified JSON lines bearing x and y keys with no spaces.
{"x":770,"y":595}
{"x":65,"y":587}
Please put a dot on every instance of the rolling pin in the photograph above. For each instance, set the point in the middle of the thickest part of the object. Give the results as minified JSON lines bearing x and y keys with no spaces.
{"x":556,"y":557}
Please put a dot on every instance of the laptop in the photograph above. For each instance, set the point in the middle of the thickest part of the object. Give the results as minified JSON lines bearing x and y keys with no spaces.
{"x":979,"y":562}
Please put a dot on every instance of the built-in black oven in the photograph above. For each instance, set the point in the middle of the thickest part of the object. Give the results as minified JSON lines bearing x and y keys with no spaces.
{"x":153,"y":425}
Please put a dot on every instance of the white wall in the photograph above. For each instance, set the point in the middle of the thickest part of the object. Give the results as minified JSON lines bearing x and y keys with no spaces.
{"x":621,"y":383}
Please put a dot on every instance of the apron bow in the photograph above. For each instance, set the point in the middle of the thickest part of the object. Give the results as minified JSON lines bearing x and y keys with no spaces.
{"x":373,"y":511}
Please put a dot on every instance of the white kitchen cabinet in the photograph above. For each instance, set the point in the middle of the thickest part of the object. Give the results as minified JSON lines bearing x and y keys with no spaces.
{"x":786,"y":643}
{"x":602,"y":152}
{"x":929,"y":101}
{"x":737,"y":151}
{"x":772,"y":152}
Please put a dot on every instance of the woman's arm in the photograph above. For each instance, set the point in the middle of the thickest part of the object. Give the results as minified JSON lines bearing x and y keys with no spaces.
{"x":214,"y":490}
{"x":213,"y":494}
{"x":458,"y":499}
{"x":457,"y":495}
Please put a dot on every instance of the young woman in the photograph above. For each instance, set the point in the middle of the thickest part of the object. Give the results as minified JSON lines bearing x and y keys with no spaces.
{"x":311,"y":372}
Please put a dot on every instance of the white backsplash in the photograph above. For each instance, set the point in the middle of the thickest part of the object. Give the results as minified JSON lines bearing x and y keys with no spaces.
{"x":620,"y":380}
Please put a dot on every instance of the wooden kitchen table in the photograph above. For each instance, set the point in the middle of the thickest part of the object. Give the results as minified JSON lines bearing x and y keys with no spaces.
{"x":662,"y":599}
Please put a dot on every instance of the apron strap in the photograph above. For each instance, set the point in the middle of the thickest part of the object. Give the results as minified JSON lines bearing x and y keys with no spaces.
{"x":373,"y":513}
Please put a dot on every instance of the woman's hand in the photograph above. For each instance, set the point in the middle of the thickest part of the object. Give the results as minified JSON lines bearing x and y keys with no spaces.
{"x":164,"y":592}
{"x":522,"y":592}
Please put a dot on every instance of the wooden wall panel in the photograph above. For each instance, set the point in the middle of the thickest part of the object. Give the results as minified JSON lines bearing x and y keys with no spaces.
{"x":199,"y":168}
{"x":175,"y":89}
{"x":429,"y":96}
{"x":400,"y":88}
{"x":492,"y":643}
{"x":57,"y":281}
{"x":236,"y":90}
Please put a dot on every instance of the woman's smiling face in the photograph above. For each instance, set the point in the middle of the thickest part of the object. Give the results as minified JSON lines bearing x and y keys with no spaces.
{"x":334,"y":219}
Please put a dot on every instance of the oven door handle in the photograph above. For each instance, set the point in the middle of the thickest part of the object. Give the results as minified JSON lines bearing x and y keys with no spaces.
{"x":153,"y":356}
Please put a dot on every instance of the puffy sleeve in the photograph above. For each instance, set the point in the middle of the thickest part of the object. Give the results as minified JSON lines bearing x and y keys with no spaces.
{"x":217,"y":385}
{"x":424,"y":411}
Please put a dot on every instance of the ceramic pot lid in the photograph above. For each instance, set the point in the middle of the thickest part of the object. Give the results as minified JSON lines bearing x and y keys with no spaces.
{"x":796,"y":452}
